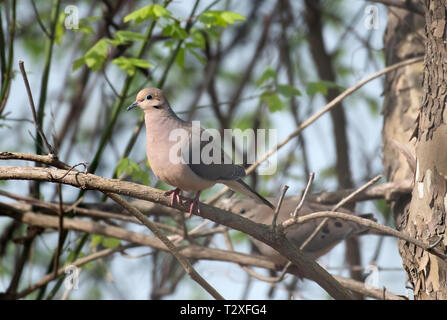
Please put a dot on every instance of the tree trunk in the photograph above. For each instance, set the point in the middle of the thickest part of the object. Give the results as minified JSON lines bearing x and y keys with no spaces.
{"x":402,"y":90}
{"x":427,"y":214}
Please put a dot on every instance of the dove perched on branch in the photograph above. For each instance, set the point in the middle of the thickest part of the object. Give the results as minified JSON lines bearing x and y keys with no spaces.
{"x":164,"y":152}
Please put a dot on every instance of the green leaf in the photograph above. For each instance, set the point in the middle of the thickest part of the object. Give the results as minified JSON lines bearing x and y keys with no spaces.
{"x":197,"y":39}
{"x":160,"y":11}
{"x":59,"y":30}
{"x":124,"y":36}
{"x":174,"y":30}
{"x":268,"y":73}
{"x":96,"y":239}
{"x":122,"y":167}
{"x":153,"y":11}
{"x":71,"y":256}
{"x":272,"y":100}
{"x":131,"y":168}
{"x":219,"y":18}
{"x":231,"y":17}
{"x":287,"y":90}
{"x":110,"y":242}
{"x":84,"y":29}
{"x":78,"y":63}
{"x":95,"y":57}
{"x":180,"y":57}
{"x":130,"y":64}
{"x":320,"y":87}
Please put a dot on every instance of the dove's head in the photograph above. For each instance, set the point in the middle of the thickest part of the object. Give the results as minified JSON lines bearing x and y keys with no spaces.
{"x":150,"y":100}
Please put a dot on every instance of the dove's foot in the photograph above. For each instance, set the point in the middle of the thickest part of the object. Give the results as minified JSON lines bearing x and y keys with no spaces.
{"x":175,"y":195}
{"x":194,"y":207}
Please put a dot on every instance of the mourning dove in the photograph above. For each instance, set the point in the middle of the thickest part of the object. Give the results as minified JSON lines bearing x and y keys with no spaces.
{"x":163,"y":152}
{"x":333,"y":232}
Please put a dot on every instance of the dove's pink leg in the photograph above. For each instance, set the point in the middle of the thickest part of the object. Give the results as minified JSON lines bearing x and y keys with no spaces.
{"x":175,"y":194}
{"x":194,"y":204}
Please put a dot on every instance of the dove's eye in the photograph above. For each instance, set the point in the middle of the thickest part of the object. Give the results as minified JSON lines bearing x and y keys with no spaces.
{"x":242,"y":211}
{"x":149,"y":97}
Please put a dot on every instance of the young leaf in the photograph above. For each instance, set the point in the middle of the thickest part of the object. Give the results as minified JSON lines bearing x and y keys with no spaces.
{"x":122,"y":167}
{"x":110,"y":242}
{"x":124,"y":36}
{"x":130,"y":167}
{"x":320,"y":87}
{"x":96,"y":239}
{"x":197,"y":39}
{"x":272,"y":100}
{"x":130,"y":64}
{"x":59,"y":30}
{"x":180,"y":57}
{"x":153,"y":11}
{"x":78,"y":63}
{"x":219,"y":18}
{"x":268,"y":73}
{"x":95,"y":57}
{"x":287,"y":90}
{"x":175,"y":31}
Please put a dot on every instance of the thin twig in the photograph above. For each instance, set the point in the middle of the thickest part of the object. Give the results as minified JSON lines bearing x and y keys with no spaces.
{"x":33,"y":108}
{"x":303,"y":197}
{"x":39,"y":21}
{"x":61,"y":228}
{"x":171,"y":247}
{"x":278,"y":206}
{"x":249,"y":271}
{"x":337,"y":206}
{"x":356,"y":192}
{"x":367,"y":223}
{"x":78,"y":263}
{"x":83,"y":163}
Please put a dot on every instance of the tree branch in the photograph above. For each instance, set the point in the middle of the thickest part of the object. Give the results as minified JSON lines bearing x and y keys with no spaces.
{"x":277,"y":240}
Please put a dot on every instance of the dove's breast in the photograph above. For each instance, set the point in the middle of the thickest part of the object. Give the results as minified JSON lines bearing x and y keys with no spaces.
{"x":164,"y":141}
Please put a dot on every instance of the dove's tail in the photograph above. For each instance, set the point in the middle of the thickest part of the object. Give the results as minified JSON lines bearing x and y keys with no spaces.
{"x":241,"y":187}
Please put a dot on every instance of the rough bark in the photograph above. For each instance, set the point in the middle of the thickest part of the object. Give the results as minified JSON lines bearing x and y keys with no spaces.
{"x":426,"y":218}
{"x":422,"y":217}
{"x":402,"y":90}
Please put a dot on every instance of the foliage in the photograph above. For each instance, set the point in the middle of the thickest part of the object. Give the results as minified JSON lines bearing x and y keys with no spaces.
{"x":131,"y":168}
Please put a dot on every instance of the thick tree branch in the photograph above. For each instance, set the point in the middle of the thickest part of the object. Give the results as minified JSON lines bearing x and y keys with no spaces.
{"x":277,"y":241}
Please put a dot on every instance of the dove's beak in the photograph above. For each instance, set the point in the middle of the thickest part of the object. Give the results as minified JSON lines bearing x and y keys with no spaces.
{"x":133,"y":105}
